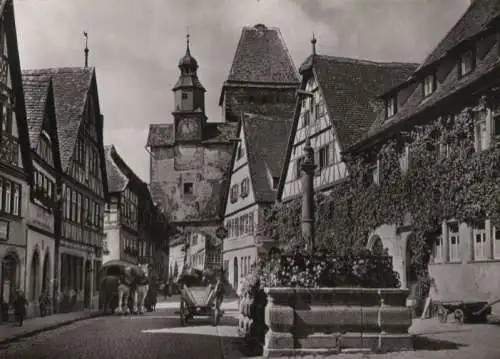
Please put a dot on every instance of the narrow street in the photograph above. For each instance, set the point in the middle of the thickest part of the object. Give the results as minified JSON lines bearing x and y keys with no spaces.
{"x":154,"y":335}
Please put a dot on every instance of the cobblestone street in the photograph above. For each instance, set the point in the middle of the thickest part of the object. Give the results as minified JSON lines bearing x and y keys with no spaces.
{"x":154,"y":335}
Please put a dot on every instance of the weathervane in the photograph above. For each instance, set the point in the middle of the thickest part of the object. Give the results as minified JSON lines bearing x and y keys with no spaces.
{"x":86,"y":51}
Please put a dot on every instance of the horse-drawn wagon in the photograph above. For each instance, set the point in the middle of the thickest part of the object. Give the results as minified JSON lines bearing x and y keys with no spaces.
{"x":200,"y":296}
{"x":122,"y":285}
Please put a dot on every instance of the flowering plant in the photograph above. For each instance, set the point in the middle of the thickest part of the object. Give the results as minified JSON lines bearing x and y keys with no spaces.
{"x":326,"y":268}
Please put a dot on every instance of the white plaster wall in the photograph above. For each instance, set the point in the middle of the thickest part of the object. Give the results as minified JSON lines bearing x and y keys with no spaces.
{"x":113,"y":242}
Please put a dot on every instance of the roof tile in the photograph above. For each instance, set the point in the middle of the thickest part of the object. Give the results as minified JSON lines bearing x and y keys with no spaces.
{"x":266,"y":139}
{"x":262,"y":56}
{"x":351,"y":88}
{"x":71,"y":86}
{"x":476,"y":19}
{"x":117,"y":180}
{"x":36,"y":89}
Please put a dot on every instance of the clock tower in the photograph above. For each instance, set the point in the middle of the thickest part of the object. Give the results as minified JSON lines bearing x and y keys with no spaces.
{"x":189,"y":93}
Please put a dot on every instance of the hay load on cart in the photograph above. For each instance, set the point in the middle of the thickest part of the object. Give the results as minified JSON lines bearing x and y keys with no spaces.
{"x":201,"y":294}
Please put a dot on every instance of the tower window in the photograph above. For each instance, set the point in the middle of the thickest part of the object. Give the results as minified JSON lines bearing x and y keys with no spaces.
{"x":188,"y":188}
{"x":184,"y":95}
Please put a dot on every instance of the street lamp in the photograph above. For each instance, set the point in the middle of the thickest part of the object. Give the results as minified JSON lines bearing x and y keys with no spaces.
{"x":308,"y":168}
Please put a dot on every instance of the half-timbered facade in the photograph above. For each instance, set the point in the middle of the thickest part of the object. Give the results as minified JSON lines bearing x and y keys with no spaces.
{"x":15,"y":160}
{"x":42,"y":204}
{"x":461,"y":72}
{"x":129,"y":216}
{"x":336,"y":105}
{"x":83,"y":188}
{"x":255,"y":173}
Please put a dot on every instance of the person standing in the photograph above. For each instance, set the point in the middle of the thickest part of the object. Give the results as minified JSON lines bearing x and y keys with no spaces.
{"x":20,"y":307}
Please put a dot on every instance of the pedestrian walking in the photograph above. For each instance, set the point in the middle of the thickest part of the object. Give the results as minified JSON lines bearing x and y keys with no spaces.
{"x":44,"y":303}
{"x":20,"y":307}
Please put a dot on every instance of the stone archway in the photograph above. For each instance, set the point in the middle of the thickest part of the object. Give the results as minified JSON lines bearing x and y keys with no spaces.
{"x":375,"y":245}
{"x":10,"y":276}
{"x":34,"y":276}
{"x":46,"y":273}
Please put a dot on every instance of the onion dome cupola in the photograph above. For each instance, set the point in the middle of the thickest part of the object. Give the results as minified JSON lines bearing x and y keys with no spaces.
{"x":189,"y":92}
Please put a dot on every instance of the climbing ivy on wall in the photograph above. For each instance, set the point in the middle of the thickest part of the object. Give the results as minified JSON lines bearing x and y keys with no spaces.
{"x":446,"y":178}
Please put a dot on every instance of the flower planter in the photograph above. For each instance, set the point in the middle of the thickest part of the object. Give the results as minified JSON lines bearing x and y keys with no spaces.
{"x":329,"y":320}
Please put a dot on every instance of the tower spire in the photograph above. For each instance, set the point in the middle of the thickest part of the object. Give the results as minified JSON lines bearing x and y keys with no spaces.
{"x":313,"y":42}
{"x":188,"y":52}
{"x":86,"y":51}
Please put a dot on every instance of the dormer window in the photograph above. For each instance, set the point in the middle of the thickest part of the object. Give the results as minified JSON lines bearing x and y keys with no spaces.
{"x":466,"y":63}
{"x":429,"y":85}
{"x":391,"y":106}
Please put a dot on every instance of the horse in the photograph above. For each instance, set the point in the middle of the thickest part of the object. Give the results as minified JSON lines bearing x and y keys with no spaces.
{"x":141,"y":286}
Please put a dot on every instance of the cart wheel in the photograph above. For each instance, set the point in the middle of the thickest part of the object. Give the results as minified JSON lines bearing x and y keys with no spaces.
{"x":442,"y":313}
{"x":215,"y":317}
{"x":182,"y":317}
{"x":459,"y":316}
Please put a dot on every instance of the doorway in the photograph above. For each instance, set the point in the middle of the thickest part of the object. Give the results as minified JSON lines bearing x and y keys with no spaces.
{"x":46,"y":273}
{"x":35,"y":276}
{"x":88,"y":278}
{"x":10,"y":265}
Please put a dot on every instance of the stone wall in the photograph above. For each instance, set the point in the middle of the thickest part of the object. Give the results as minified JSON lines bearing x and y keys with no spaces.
{"x":270,"y":101}
{"x":330,"y":320}
{"x":205,"y":166}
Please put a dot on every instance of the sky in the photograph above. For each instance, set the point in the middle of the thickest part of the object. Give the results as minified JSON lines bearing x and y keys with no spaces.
{"x":135,"y":46}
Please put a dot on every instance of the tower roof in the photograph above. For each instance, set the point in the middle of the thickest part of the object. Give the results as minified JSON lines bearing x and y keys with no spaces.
{"x":188,"y":66}
{"x":188,"y":63}
{"x":262,"y":57}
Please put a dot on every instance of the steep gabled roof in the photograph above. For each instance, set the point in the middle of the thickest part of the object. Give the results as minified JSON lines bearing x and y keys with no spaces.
{"x":71,"y":87}
{"x":117,"y":180}
{"x":120,"y":175}
{"x":7,"y":13}
{"x":476,"y":19}
{"x":415,"y":105}
{"x":265,"y":139}
{"x":262,"y":56}
{"x":351,"y":88}
{"x":36,"y":90}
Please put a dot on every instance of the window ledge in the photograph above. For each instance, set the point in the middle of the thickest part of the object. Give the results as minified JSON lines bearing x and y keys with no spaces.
{"x":493,"y":260}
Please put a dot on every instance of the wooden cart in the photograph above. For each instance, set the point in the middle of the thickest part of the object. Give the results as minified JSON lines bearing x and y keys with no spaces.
{"x":464,"y":311}
{"x":199,"y":301}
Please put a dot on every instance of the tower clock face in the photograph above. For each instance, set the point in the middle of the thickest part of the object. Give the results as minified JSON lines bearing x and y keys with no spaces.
{"x":188,"y":128}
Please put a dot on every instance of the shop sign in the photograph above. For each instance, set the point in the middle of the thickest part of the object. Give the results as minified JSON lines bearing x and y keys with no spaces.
{"x":40,"y":218}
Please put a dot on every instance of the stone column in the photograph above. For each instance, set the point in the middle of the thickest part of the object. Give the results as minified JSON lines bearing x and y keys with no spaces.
{"x":490,"y":250}
{"x":445,"y":242}
{"x":308,"y":168}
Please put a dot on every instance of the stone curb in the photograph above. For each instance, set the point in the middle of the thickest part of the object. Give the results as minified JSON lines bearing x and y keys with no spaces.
{"x":48,"y":327}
